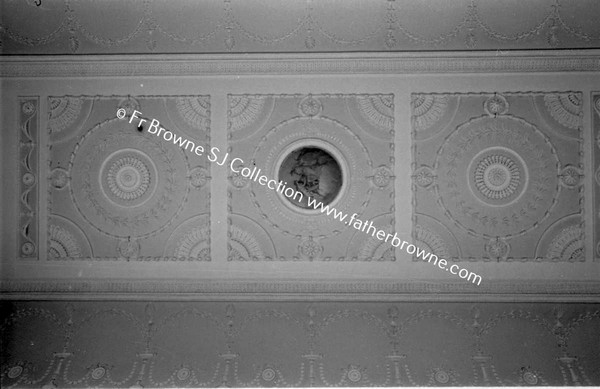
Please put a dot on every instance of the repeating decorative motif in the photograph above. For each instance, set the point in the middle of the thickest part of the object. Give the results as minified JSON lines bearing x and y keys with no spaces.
{"x":424,"y":176}
{"x":66,"y":114}
{"x":337,"y":149}
{"x":563,"y":241}
{"x":59,"y":178}
{"x":496,"y":178}
{"x":557,"y":351}
{"x":128,"y":249}
{"x":190,"y":240}
{"x":496,"y":105}
{"x":194,"y":245}
{"x":311,"y":249}
{"x":570,"y":176}
{"x":567,"y":245}
{"x":427,"y":110}
{"x":244,"y":110}
{"x":63,"y":112}
{"x":430,"y":241}
{"x":243,"y":246}
{"x":27,"y":239}
{"x":497,"y":248}
{"x":441,"y":376}
{"x":230,"y":27}
{"x":124,"y":185}
{"x":310,"y":106}
{"x":374,"y":250}
{"x":378,"y":110}
{"x":565,"y":108}
{"x":237,"y":180}
{"x":129,"y":104}
{"x":194,"y":110}
{"x":62,"y":243}
{"x":595,"y":99}
{"x":199,"y":177}
{"x":268,"y":374}
{"x":66,"y":240}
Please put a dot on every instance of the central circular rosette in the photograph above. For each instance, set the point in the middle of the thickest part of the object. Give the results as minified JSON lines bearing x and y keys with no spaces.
{"x":126,"y":177}
{"x":497,"y":176}
{"x":126,"y":184}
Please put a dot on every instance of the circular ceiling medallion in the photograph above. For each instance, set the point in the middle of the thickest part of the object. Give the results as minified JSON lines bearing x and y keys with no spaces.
{"x":344,"y":170}
{"x":126,"y":177}
{"x":98,"y":372}
{"x":268,"y":374}
{"x":495,"y":105}
{"x":183,"y":374}
{"x":126,"y":184}
{"x":530,"y":378}
{"x":497,"y":176}
{"x":15,"y":371}
{"x":441,"y":376}
{"x":313,"y":171}
{"x":354,"y":375}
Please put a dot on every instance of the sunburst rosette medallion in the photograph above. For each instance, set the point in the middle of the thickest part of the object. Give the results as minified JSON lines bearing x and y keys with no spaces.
{"x":125,"y":189}
{"x":66,"y":116}
{"x":375,"y":113}
{"x":125,"y":184}
{"x":431,"y":235}
{"x":495,"y":190}
{"x":191,"y":114}
{"x":563,"y":241}
{"x":500,"y":171}
{"x":66,"y":240}
{"x":190,"y":241}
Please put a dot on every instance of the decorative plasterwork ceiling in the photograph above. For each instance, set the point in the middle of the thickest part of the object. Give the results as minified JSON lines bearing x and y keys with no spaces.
{"x":292,"y":26}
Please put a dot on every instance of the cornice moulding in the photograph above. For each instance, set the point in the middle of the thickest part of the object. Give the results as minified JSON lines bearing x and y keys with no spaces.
{"x":359,"y":290}
{"x":65,"y":66}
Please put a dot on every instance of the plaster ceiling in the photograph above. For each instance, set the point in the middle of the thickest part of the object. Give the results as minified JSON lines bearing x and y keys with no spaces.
{"x":294,"y":26}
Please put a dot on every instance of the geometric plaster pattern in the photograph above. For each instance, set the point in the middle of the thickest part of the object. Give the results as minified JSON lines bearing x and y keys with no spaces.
{"x":117,"y":192}
{"x":499,"y":176}
{"x":356,"y":130}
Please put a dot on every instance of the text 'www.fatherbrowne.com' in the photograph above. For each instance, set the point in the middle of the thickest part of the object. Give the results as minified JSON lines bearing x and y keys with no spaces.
{"x":394,"y":241}
{"x":291,"y":193}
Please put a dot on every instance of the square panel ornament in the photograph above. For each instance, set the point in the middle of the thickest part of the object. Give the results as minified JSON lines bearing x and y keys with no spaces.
{"x":499,"y":176}
{"x":118,"y":192}
{"x":337,"y":150}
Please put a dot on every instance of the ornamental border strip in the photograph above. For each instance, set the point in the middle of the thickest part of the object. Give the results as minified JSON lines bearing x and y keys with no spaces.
{"x":362,"y":63}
